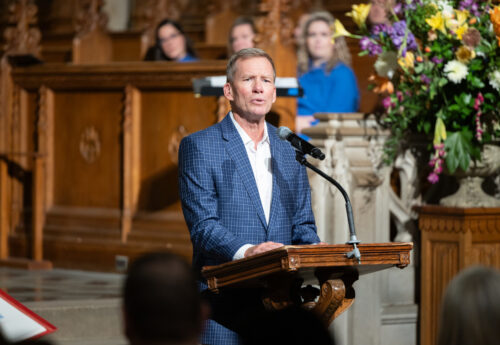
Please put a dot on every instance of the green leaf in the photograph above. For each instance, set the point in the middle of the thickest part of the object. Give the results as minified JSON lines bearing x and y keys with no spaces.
{"x":458,"y":150}
{"x":475,"y":81}
{"x":442,"y":82}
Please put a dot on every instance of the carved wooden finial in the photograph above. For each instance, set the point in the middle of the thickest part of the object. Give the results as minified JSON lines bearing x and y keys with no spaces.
{"x":90,"y":17}
{"x":22,"y":36}
{"x":275,"y":26}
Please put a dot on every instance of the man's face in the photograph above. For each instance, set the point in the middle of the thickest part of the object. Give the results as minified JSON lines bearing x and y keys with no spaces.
{"x":252,"y":91}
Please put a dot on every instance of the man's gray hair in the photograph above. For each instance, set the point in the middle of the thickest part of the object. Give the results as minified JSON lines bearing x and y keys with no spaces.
{"x":243,"y":55}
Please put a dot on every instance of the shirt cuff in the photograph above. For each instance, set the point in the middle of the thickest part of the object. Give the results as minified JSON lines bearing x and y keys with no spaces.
{"x":240,"y":253}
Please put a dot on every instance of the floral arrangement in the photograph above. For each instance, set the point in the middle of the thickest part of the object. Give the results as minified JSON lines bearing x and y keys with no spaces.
{"x":438,"y":68}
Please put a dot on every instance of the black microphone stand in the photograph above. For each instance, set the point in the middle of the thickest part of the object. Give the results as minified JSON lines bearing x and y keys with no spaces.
{"x":300,"y":157}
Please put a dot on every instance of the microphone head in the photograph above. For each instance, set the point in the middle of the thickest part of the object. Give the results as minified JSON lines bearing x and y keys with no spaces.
{"x":284,"y":132}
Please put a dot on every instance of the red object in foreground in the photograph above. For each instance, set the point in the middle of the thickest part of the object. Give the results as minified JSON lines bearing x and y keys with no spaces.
{"x":18,"y":323}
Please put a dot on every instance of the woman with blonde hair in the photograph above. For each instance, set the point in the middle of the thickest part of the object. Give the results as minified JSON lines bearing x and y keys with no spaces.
{"x":324,"y":71}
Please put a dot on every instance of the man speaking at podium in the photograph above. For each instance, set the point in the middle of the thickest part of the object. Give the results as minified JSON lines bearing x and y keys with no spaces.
{"x":242,"y":191}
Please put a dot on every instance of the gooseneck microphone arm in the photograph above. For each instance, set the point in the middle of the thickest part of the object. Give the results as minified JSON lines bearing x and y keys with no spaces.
{"x":300,"y":157}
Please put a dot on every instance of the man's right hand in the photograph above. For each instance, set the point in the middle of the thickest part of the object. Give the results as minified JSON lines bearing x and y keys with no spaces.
{"x":261,"y":248}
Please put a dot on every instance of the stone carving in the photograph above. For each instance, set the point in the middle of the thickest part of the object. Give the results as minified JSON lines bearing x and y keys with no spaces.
{"x":24,"y":37}
{"x":470,"y":192}
{"x":401,"y":206}
{"x":90,"y":144}
{"x":90,"y":17}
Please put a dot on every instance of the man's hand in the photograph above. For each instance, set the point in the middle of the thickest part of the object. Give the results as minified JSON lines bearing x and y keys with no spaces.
{"x":261,"y":248}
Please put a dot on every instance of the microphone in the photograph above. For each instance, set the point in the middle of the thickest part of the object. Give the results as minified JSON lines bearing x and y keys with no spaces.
{"x":300,"y":144}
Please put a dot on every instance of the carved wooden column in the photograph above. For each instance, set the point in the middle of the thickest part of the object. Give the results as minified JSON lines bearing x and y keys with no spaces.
{"x":131,"y":158}
{"x":219,"y":21}
{"x":22,"y":39}
{"x":452,"y":239}
{"x":92,"y":44}
{"x":276,"y":38}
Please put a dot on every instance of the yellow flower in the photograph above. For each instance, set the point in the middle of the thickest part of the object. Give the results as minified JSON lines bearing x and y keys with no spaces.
{"x":408,"y":61}
{"x":461,"y":16}
{"x":458,"y":23}
{"x":359,"y":13}
{"x":439,"y":131}
{"x":465,"y":54}
{"x":461,"y":31}
{"x":436,"y":22}
{"x":339,"y":30}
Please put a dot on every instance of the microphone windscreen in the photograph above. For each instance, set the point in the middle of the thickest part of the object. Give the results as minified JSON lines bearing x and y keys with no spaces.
{"x":284,"y":132}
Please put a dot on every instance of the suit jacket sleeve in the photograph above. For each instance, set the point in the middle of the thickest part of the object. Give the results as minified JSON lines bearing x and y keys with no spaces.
{"x":200,"y":202}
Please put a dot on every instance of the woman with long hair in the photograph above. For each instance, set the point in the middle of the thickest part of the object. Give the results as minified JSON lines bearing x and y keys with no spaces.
{"x":171,"y":44}
{"x":324,"y":71}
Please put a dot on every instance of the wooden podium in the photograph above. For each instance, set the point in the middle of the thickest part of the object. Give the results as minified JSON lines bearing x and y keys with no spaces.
{"x":288,"y":273}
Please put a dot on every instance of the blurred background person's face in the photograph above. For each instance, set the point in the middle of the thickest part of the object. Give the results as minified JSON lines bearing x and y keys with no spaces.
{"x":319,"y":42}
{"x":242,"y":37}
{"x":172,"y":42}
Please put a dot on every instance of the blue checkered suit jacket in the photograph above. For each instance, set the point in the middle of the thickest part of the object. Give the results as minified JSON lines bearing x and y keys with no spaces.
{"x":221,"y":202}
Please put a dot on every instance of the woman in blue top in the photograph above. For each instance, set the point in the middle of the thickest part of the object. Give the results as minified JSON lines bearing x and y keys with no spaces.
{"x":172,"y":44}
{"x":329,"y":83}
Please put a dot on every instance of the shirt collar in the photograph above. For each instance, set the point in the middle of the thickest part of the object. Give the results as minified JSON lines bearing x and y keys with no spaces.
{"x":244,"y":136}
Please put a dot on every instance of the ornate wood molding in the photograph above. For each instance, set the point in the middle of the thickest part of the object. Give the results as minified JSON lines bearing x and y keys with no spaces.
{"x":23,"y":37}
{"x":459,"y":220}
{"x":140,"y":74}
{"x":275,"y":26}
{"x":90,"y":17}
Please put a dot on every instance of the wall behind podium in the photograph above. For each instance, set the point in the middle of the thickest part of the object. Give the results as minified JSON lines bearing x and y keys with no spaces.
{"x":109,"y":137}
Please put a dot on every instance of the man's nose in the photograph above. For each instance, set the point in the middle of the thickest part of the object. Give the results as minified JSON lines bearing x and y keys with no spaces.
{"x":258,"y":86}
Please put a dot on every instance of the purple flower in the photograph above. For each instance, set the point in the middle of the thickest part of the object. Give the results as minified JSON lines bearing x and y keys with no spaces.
{"x":433,"y":178}
{"x":398,"y":35}
{"x":399,"y":95}
{"x":387,"y":102}
{"x":436,"y":60}
{"x":398,"y":8}
{"x":471,"y":6}
{"x":425,"y":79}
{"x":380,"y":28}
{"x":367,"y":44}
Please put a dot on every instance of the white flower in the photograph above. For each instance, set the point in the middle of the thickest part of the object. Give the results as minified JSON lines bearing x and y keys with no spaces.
{"x":495,"y":80}
{"x":456,"y":71}
{"x":387,"y":64}
{"x":446,"y":8}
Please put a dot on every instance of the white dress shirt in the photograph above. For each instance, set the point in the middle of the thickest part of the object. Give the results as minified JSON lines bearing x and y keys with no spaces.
{"x":260,"y":161}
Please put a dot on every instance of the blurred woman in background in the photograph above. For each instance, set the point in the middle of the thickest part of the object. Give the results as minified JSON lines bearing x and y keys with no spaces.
{"x":470,"y":310}
{"x":324,"y":72}
{"x":172,"y":44}
{"x":241,"y":35}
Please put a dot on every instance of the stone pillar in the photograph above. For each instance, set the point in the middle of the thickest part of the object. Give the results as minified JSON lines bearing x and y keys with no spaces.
{"x":384,"y":311}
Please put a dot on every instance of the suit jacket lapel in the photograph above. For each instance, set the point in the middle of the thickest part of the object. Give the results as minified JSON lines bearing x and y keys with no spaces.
{"x":275,"y":158}
{"x":237,"y":152}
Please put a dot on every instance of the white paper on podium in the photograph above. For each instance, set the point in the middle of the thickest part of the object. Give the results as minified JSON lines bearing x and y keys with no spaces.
{"x":18,"y":323}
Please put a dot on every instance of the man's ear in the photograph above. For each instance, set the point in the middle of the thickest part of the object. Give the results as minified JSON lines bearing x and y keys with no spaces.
{"x":228,"y":91}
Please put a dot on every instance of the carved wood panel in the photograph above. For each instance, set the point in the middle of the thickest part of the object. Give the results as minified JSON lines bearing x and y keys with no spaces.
{"x":86,"y":154}
{"x":452,"y":239}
